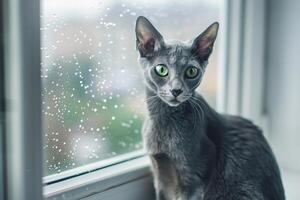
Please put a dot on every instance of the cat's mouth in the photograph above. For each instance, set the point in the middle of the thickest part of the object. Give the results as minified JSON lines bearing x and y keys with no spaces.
{"x":171,"y":101}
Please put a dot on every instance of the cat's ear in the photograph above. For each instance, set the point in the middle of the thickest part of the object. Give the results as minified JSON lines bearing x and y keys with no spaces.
{"x":148,"y":39}
{"x":203,"y":44}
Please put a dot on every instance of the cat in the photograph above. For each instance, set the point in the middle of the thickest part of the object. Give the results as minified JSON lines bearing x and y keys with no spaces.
{"x":197,"y":153}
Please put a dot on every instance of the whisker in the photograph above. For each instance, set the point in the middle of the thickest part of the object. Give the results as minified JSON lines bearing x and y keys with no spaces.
{"x":199,"y":109}
{"x":201,"y":104}
{"x":193,"y":114}
{"x":151,"y":97}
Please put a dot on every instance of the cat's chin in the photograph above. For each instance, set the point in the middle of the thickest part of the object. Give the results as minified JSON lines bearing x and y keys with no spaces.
{"x":173,"y":102}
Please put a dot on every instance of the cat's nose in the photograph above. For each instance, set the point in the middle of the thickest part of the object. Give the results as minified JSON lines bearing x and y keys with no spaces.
{"x":176,"y":92}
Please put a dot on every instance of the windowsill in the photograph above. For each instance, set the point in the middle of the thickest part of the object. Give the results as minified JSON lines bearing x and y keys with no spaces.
{"x":290,"y":180}
{"x":103,"y":180}
{"x":78,"y":171}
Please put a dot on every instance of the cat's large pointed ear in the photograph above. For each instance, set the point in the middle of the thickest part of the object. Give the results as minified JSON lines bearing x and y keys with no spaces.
{"x":148,"y":39}
{"x":203,"y":44}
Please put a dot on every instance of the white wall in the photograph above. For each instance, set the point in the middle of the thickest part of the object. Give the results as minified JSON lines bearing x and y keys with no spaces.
{"x":283,"y":80}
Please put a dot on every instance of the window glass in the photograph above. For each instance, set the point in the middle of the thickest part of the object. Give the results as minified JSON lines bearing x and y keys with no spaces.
{"x":93,"y":92}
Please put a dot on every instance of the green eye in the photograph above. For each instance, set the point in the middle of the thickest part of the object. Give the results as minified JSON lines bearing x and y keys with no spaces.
{"x":161,"y":70}
{"x":191,"y":72}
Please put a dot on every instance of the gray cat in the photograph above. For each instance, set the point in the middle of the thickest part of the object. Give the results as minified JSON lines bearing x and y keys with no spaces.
{"x":197,"y":153}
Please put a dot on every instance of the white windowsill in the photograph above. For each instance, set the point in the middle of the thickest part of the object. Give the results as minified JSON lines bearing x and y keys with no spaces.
{"x":103,"y":180}
{"x":92,"y":167}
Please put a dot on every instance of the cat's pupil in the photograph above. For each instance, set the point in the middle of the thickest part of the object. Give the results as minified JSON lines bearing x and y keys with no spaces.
{"x":161,"y":70}
{"x":191,"y":72}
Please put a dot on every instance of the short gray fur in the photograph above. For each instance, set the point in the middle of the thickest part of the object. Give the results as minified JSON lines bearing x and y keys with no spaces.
{"x":196,"y":152}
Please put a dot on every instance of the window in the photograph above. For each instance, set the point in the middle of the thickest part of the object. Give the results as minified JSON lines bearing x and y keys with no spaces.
{"x":93,"y":97}
{"x":75,"y":32}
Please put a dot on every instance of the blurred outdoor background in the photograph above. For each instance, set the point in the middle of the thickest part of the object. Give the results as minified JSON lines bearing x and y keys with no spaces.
{"x":93,"y":90}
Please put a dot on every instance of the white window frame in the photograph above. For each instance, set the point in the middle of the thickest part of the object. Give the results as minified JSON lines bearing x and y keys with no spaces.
{"x":2,"y":108}
{"x":23,"y":139}
{"x":244,"y":59}
{"x":241,"y":93}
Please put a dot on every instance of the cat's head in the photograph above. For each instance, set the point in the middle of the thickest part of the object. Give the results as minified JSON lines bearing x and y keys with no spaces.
{"x":173,"y":70}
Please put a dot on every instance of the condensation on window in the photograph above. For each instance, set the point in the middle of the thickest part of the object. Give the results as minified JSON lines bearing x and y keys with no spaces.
{"x":93,"y":90}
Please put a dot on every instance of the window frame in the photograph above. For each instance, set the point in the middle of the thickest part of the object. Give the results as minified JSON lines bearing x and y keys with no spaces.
{"x":23,"y":143}
{"x":244,"y":59}
{"x":2,"y":108}
{"x":23,"y":158}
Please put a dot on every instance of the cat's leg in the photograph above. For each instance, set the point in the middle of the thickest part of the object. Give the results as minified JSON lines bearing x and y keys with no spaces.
{"x":159,"y":189}
{"x":157,"y":184}
{"x":160,"y":195}
{"x":197,"y":194}
{"x":163,"y":189}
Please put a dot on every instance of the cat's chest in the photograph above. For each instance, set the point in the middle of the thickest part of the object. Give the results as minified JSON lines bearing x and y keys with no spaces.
{"x":164,"y":137}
